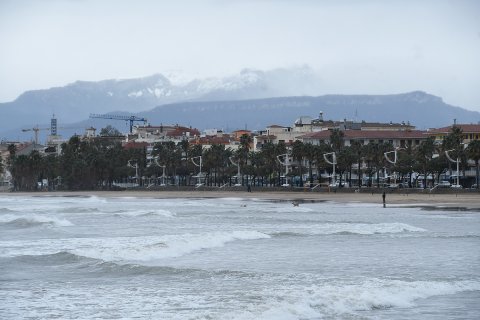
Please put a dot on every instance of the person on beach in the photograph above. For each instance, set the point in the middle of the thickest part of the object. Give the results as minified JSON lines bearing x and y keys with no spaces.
{"x":383,"y":197}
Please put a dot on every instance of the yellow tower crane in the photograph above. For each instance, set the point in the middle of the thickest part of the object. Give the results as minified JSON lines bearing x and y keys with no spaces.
{"x":35,"y":130}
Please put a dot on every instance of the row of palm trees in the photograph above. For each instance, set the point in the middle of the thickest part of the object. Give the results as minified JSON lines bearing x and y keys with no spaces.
{"x":99,"y":163}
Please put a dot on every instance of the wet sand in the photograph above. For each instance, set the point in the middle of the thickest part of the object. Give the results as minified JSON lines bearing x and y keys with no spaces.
{"x":465,"y":201}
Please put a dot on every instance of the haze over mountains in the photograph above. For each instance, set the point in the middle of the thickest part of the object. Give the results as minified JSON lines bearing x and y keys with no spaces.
{"x":252,"y":99}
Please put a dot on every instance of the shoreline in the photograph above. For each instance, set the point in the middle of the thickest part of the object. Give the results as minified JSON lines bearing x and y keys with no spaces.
{"x":470,"y":202}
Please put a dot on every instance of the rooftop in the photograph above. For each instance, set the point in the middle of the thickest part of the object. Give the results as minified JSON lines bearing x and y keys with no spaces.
{"x":359,"y":134}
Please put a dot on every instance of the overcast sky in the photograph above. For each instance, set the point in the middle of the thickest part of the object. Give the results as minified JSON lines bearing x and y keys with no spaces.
{"x":371,"y":47}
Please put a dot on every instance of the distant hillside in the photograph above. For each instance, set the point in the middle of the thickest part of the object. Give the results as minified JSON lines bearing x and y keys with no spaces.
{"x":252,"y":99}
{"x":418,"y":108}
{"x":76,"y":101}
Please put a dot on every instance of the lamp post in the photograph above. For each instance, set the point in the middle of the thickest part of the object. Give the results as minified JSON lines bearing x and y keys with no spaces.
{"x":394,"y":161}
{"x":238,"y":184}
{"x":155,"y":159}
{"x":333,"y":163}
{"x":199,"y":183}
{"x":129,"y":163}
{"x":458,"y":165}
{"x":285,"y":163}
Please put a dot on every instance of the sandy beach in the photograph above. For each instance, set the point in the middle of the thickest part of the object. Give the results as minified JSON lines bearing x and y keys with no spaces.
{"x":469,"y":201}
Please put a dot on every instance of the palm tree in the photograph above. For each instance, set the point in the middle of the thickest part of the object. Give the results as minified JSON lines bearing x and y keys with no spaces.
{"x":336,"y":140}
{"x":424,"y":153}
{"x":318,"y":151}
{"x":369,"y":154}
{"x":357,"y":150}
{"x":453,"y":142}
{"x":309,"y":153}
{"x":473,"y":151}
{"x":269,"y":156}
{"x":346,"y":159}
{"x":214,"y":159}
{"x":298,"y":154}
{"x":257,"y":165}
{"x":245,"y":142}
{"x":404,"y":164}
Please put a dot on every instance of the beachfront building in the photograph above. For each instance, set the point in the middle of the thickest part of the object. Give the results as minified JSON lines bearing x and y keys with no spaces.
{"x":470,"y":132}
{"x":275,"y":134}
{"x":307,"y":124}
{"x":398,"y":139}
{"x":163,"y":133}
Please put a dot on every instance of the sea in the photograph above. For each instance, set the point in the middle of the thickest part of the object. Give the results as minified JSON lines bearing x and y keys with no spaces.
{"x":89,"y":257}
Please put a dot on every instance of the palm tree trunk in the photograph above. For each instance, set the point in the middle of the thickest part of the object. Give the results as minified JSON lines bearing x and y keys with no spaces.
{"x":478,"y":173}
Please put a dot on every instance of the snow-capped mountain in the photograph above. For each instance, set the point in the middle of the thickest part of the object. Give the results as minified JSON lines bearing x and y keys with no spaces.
{"x":77,"y":100}
{"x":250,"y":98}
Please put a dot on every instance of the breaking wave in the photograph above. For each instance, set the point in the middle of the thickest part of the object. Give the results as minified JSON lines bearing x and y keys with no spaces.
{"x":350,"y":228}
{"x":350,"y":300}
{"x":144,"y":249}
{"x":140,"y":213}
{"x":32,"y":220}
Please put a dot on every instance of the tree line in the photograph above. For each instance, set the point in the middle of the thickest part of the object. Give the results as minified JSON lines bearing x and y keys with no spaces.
{"x":100,"y":163}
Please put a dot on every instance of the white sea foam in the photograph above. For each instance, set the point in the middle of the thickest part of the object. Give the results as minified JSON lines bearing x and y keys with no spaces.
{"x":138,"y":213}
{"x":30,"y":220}
{"x":168,"y":246}
{"x":286,"y":209}
{"x":352,"y":228}
{"x":148,"y":248}
{"x":347,"y":300}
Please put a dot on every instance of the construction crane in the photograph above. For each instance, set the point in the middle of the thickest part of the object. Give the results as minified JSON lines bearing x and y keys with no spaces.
{"x":35,"y":129}
{"x":131,"y":119}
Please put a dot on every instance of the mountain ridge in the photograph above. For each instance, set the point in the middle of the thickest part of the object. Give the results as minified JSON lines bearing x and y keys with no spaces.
{"x":252,"y":98}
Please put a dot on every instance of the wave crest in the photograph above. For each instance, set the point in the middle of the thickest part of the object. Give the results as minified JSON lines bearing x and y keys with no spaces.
{"x":32,"y":220}
{"x":350,"y":229}
{"x":144,"y":249}
{"x":338,"y":300}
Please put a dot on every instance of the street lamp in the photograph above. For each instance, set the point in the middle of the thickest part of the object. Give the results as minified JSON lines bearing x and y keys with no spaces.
{"x":394,"y":161}
{"x":129,"y":163}
{"x":199,"y":164}
{"x":155,"y":160}
{"x":238,"y":184}
{"x":285,"y":163}
{"x":458,"y":165}
{"x":333,"y":163}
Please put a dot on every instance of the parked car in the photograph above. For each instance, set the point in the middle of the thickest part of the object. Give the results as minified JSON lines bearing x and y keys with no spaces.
{"x":456,"y":186}
{"x":474,"y":186}
{"x":444,"y":184}
{"x":336,"y":184}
